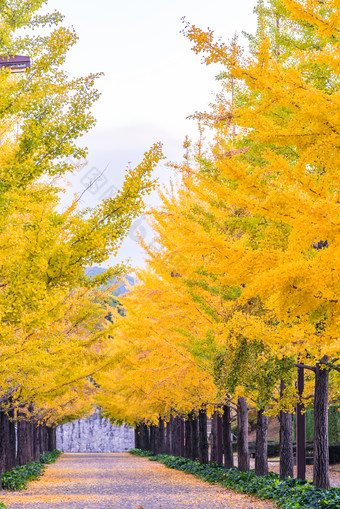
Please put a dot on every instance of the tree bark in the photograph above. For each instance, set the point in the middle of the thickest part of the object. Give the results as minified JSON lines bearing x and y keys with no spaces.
{"x":300,"y":428}
{"x":152,"y":438}
{"x":213,"y":454}
{"x":261,"y":448}
{"x":321,"y":450}
{"x":145,"y":438}
{"x":177,"y":436}
{"x":203,"y":452}
{"x":50,"y":438}
{"x":30,"y":441}
{"x":286,"y":446}
{"x":219,"y":438}
{"x":182,"y":436}
{"x":173,"y":436}
{"x":168,"y":438}
{"x":188,"y":441}
{"x":36,"y":440}
{"x":160,"y":436}
{"x":194,"y":437}
{"x":137,"y":436}
{"x":12,"y":440}
{"x":42,"y":441}
{"x":4,"y":442}
{"x":53,"y":438}
{"x":242,"y":435}
{"x":5,"y":459}
{"x":23,"y":439}
{"x":227,"y":438}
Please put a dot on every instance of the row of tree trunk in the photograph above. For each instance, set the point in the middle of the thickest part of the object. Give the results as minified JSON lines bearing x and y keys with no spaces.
{"x":187,"y":437}
{"x":23,"y":441}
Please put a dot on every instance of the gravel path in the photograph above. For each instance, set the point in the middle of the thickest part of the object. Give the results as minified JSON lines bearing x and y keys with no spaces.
{"x":122,"y":481}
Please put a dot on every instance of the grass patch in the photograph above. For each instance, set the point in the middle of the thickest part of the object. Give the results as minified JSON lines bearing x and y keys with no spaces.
{"x":288,"y":494}
{"x":20,"y":476}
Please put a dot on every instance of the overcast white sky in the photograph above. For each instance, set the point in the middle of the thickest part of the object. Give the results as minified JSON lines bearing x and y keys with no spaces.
{"x":152,"y":81}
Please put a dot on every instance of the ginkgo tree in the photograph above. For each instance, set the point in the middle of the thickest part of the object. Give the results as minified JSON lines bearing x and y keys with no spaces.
{"x":268,"y":228}
{"x":155,"y":374}
{"x":53,"y":317}
{"x":287,"y":106}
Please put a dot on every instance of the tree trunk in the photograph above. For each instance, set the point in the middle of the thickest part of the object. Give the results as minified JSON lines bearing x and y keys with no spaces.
{"x":188,"y":441}
{"x":168,"y":438}
{"x":173,"y":436}
{"x":145,"y":439}
{"x":194,"y":437}
{"x":160,"y":437}
{"x":30,"y":441}
{"x":36,"y":445}
{"x":219,"y":438}
{"x":182,"y":437}
{"x":177,"y":436}
{"x":155,"y":438}
{"x":50,"y":438}
{"x":286,"y":446}
{"x":321,"y":450}
{"x":300,"y":428}
{"x":227,"y":438}
{"x":242,"y":435}
{"x":4,"y":442}
{"x":12,"y":440}
{"x":213,"y":455}
{"x":203,"y":452}
{"x":152,"y":438}
{"x":23,"y":438}
{"x":5,"y":460}
{"x":54,"y":438}
{"x":137,"y":433}
{"x":42,"y":441}
{"x":261,"y":448}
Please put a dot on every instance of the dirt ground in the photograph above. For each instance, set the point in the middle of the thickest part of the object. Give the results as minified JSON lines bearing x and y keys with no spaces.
{"x":122,"y":481}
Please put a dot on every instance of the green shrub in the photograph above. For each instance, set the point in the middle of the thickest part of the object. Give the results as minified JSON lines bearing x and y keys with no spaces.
{"x":141,"y":453}
{"x":3,"y":506}
{"x":50,"y":457}
{"x":288,"y":494}
{"x":20,"y":476}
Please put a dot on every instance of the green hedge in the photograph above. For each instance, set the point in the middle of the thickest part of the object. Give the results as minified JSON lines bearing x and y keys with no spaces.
{"x":20,"y":476}
{"x":333,"y":424}
{"x":288,"y":494}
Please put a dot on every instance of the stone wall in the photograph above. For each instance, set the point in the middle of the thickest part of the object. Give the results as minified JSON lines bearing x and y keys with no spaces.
{"x":94,"y":434}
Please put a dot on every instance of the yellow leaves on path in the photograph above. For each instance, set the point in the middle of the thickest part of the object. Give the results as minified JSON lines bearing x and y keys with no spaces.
{"x":93,"y":481}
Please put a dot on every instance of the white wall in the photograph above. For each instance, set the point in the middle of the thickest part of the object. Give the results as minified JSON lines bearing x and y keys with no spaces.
{"x":94,"y":434}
